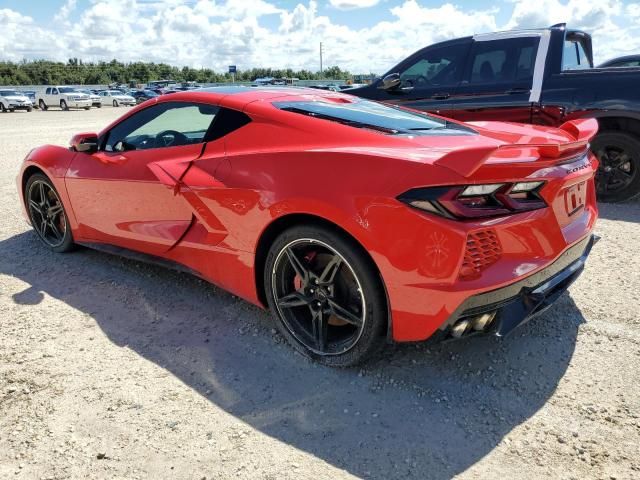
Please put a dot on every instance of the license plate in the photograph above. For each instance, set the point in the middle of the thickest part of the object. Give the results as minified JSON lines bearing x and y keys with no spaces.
{"x":574,"y":198}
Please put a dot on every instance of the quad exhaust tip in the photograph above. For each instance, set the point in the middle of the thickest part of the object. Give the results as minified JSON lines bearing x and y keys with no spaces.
{"x":479,"y":323}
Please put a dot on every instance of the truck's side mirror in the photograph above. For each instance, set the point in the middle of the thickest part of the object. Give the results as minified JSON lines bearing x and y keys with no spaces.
{"x":85,"y":142}
{"x":389,"y":82}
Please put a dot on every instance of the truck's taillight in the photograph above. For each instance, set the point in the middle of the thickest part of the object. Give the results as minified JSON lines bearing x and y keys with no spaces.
{"x":476,"y":201}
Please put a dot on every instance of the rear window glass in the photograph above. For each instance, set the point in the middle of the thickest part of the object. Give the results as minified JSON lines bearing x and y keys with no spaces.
{"x":366,"y":114}
{"x":574,"y":56}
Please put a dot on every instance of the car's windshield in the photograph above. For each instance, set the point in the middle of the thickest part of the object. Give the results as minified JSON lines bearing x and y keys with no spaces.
{"x":366,"y":114}
{"x":150,"y":93}
{"x":67,"y":90}
{"x":6,"y":93}
{"x":115,"y":92}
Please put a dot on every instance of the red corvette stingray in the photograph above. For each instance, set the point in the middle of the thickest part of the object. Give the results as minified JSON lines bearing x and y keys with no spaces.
{"x":351,"y":220}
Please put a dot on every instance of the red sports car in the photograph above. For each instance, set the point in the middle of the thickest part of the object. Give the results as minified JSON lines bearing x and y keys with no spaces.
{"x":351,"y":220}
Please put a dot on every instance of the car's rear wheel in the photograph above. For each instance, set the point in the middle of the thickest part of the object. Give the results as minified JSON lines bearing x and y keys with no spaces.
{"x":618,"y":176}
{"x":326,"y":295}
{"x":43,"y":106}
{"x":115,"y":103}
{"x":63,"y":105}
{"x":3,"y":109}
{"x":47,"y":214}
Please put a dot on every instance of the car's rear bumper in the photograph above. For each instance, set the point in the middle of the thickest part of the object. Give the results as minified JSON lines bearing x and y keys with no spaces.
{"x":517,"y":303}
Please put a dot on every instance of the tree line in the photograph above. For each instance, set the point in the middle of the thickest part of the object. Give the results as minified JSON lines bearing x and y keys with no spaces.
{"x":77,"y":72}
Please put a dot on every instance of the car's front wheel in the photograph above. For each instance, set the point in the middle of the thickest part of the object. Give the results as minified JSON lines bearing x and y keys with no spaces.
{"x":47,"y":214}
{"x":115,"y":103}
{"x":326,"y":295}
{"x":63,"y":105}
{"x":3,"y":109}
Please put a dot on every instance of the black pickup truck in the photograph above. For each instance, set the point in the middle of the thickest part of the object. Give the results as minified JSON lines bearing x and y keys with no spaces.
{"x":543,"y":76}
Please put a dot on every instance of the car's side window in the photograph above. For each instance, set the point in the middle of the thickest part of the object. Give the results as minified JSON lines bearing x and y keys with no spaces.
{"x":501,"y":61}
{"x":574,"y":56}
{"x":162,"y":125}
{"x":48,"y":91}
{"x":225,"y":122}
{"x":54,"y":91}
{"x":437,"y":67}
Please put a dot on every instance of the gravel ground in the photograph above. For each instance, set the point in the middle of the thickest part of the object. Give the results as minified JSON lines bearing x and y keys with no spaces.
{"x":114,"y":369}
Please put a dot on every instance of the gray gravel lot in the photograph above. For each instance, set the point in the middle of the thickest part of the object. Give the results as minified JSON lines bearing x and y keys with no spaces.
{"x":114,"y":369}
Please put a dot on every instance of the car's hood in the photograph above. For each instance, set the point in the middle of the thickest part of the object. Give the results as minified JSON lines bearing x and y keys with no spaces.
{"x":17,"y":98}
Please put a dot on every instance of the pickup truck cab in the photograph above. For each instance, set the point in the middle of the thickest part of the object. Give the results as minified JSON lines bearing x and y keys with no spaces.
{"x":543,"y":76}
{"x":12,"y":100}
{"x":63,"y":97}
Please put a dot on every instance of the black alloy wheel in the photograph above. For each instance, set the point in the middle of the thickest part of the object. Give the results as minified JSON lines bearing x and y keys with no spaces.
{"x":618,"y":176}
{"x":326,"y":295}
{"x":47,"y":214}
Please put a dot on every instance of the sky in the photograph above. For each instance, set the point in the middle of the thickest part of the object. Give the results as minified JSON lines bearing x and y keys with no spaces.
{"x":360,"y":36}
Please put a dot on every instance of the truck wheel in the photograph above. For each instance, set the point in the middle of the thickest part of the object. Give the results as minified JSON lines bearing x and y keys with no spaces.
{"x":43,"y":106}
{"x":115,"y":103}
{"x":63,"y":105}
{"x":618,"y":176}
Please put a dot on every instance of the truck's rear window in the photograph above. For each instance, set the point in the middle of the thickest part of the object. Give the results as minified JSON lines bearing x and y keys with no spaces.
{"x":366,"y":114}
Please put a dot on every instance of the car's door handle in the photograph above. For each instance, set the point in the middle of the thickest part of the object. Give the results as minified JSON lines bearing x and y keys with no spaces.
{"x":440,"y":96}
{"x":514,"y":91}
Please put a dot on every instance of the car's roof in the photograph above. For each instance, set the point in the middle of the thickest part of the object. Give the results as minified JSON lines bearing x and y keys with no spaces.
{"x":239,"y":96}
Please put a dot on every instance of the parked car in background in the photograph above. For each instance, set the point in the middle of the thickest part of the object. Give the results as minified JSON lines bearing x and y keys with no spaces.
{"x":143,"y":95}
{"x":543,"y":76}
{"x":95,"y":99}
{"x":414,"y":227}
{"x":31,"y":95}
{"x":626,"y":61}
{"x":63,"y":97}
{"x":115,"y":98}
{"x":12,"y":100}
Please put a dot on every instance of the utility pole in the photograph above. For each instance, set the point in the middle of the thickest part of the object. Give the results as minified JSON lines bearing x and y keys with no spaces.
{"x":320,"y":59}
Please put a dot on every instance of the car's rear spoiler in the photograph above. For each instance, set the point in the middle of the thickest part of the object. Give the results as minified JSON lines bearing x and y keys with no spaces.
{"x":581,"y":130}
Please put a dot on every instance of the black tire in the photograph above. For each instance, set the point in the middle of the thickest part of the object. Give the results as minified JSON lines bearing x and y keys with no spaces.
{"x":3,"y":109}
{"x":87,"y":108}
{"x":42,"y":200}
{"x":11,"y":110}
{"x":115,"y":103}
{"x":63,"y":105}
{"x":352,"y":320}
{"x":99,"y":105}
{"x":43,"y":106}
{"x":29,"y":109}
{"x":618,"y":176}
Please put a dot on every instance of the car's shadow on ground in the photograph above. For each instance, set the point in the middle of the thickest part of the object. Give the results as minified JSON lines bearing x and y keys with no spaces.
{"x":418,"y":411}
{"x":626,"y":211}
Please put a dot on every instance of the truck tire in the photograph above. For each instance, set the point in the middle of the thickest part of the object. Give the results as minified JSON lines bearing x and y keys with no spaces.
{"x":43,"y":106}
{"x":618,"y":176}
{"x":63,"y":105}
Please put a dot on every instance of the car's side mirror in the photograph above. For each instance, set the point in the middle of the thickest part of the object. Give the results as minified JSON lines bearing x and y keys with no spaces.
{"x":85,"y":142}
{"x":389,"y":82}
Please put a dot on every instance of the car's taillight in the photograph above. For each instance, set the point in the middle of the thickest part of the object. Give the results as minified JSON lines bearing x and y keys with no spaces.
{"x":475,"y":201}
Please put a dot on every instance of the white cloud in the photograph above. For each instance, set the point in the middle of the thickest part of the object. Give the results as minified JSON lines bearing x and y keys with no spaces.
{"x":258,"y":33}
{"x":65,"y":11}
{"x":353,"y":4}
